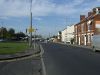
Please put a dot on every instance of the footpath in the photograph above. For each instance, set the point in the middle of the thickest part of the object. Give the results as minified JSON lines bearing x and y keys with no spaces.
{"x":81,"y":46}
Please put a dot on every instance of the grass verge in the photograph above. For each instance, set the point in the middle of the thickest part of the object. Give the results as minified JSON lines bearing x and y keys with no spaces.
{"x":12,"y":47}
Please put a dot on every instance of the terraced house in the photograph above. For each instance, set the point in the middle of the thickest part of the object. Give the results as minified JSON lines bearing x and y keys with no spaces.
{"x":87,"y":27}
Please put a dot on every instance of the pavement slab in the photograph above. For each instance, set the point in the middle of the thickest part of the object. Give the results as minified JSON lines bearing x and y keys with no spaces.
{"x":23,"y":67}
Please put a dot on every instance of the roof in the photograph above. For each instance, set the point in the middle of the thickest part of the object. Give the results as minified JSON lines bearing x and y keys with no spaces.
{"x":87,"y":18}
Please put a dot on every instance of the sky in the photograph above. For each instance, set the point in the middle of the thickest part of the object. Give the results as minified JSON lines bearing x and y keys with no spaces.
{"x":49,"y":16}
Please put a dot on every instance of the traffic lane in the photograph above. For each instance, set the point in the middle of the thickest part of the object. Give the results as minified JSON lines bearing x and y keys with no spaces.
{"x":23,"y":67}
{"x":67,"y":60}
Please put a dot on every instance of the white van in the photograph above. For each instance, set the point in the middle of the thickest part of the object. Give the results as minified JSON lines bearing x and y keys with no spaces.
{"x":96,"y":42}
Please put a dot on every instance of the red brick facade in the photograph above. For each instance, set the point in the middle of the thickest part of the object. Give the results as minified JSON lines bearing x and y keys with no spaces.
{"x":86,"y":28}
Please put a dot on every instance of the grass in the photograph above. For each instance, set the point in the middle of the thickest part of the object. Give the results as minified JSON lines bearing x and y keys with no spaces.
{"x":12,"y":47}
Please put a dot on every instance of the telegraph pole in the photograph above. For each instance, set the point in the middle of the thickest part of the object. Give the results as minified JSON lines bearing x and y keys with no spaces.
{"x":35,"y":38}
{"x":30,"y":39}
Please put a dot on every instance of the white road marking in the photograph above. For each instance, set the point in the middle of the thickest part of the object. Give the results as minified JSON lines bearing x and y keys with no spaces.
{"x":42,"y":62}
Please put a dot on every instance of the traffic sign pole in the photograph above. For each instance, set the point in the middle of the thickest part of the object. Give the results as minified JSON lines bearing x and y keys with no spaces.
{"x":30,"y":40}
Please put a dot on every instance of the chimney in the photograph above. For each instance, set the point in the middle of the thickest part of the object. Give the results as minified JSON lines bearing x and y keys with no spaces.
{"x":82,"y":17}
{"x":94,"y":10}
{"x":89,"y":14}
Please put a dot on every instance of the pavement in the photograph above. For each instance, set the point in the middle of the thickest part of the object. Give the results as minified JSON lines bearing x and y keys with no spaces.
{"x":31,"y":66}
{"x":75,"y":45}
{"x":81,"y":46}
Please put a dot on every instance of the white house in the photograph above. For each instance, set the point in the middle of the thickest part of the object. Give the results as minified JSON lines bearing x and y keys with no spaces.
{"x":63,"y":35}
{"x":59,"y":36}
{"x":68,"y":34}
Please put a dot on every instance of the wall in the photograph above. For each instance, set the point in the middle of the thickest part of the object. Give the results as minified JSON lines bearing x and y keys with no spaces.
{"x":70,"y":33}
{"x":63,"y":35}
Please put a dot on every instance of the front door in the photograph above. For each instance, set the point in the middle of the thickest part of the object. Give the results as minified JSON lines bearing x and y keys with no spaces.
{"x":84,"y":40}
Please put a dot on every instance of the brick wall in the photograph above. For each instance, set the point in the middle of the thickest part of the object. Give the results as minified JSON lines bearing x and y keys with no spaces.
{"x":87,"y":28}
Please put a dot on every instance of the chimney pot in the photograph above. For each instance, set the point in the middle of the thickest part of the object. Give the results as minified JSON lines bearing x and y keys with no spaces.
{"x":82,"y":17}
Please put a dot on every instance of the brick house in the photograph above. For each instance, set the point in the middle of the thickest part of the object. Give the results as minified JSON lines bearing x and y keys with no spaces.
{"x":87,"y":27}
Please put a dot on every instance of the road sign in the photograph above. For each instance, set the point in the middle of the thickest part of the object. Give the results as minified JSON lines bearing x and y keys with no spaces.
{"x":31,"y":29}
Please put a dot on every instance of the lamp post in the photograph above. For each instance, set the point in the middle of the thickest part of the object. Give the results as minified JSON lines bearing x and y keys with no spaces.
{"x":30,"y":39}
{"x":35,"y":38}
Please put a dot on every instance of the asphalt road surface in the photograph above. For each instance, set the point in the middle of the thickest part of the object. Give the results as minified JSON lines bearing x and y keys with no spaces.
{"x":67,"y":60}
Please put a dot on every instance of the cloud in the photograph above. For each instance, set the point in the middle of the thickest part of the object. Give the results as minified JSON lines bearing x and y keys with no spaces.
{"x":14,"y":8}
{"x":37,"y":18}
{"x":19,"y":8}
{"x":98,"y":0}
{"x":42,"y":8}
{"x":3,"y":17}
{"x":76,"y":2}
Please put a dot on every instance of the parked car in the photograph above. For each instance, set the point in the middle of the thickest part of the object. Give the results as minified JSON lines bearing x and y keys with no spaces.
{"x":96,"y":43}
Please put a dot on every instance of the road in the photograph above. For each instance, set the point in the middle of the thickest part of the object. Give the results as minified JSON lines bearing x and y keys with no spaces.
{"x":67,"y":60}
{"x":31,"y":66}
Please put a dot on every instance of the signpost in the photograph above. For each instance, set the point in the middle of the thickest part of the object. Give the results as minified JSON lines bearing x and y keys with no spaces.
{"x":30,"y":29}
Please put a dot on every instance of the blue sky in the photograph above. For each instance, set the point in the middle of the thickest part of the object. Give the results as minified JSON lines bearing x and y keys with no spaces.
{"x":49,"y":16}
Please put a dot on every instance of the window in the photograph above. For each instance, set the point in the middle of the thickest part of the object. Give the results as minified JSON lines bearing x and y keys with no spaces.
{"x":89,"y":25}
{"x":98,"y":12}
{"x":76,"y":29}
{"x":89,"y":37}
{"x":97,"y":28}
{"x":82,"y":27}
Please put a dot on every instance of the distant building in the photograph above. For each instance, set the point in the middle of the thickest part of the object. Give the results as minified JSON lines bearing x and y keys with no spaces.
{"x":55,"y":40}
{"x":68,"y":34}
{"x":87,"y":27}
{"x":63,"y":35}
{"x":59,"y":36}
